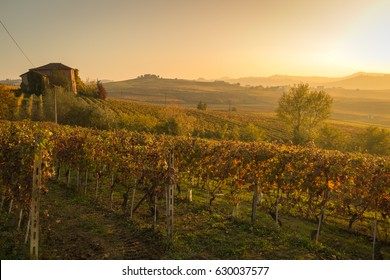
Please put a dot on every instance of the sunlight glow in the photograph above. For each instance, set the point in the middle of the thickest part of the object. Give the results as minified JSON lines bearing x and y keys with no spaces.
{"x":191,"y":39}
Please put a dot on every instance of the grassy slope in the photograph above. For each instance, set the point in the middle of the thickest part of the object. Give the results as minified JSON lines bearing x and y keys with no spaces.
{"x":360,"y":80}
{"x":188,"y":92}
{"x":212,"y":119}
{"x":358,"y":106}
{"x":217,"y":117}
{"x":210,"y":232}
{"x":74,"y":227}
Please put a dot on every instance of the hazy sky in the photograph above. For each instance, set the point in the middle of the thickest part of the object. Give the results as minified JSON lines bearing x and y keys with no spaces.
{"x":121,"y":39}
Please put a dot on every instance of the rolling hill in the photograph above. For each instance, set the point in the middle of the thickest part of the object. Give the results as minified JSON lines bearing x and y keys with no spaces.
{"x":281,"y":80}
{"x":360,"y":80}
{"x":364,"y":82}
{"x":153,"y":89}
{"x":353,"y":103}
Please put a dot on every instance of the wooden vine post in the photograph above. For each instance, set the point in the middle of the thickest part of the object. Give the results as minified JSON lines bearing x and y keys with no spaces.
{"x":255,"y":201}
{"x":132,"y":204}
{"x":322,"y":213}
{"x":68,"y":178}
{"x":155,"y":212}
{"x":112,"y":192}
{"x":277,"y":205}
{"x":170,"y":194}
{"x":317,"y":232}
{"x":374,"y":249}
{"x":34,"y":215}
{"x":97,"y":186}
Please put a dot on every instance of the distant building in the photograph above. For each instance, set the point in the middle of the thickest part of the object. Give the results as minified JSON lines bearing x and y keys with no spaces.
{"x":11,"y":82}
{"x":36,"y":80}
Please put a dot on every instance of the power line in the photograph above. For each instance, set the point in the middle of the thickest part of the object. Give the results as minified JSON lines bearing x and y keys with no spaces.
{"x":16,"y":43}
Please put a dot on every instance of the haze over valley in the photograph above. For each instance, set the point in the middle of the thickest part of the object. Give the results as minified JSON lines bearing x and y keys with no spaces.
{"x":361,"y":98}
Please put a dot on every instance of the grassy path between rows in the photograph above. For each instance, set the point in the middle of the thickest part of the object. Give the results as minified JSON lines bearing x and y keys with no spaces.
{"x":73,"y":228}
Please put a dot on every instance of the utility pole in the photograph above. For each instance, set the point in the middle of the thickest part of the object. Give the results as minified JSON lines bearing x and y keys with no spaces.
{"x":55,"y":104}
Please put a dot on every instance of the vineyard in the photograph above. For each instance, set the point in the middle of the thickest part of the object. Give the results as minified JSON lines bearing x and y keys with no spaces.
{"x":127,"y":171}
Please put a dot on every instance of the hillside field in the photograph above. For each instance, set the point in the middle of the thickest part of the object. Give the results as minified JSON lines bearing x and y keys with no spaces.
{"x":370,"y":107}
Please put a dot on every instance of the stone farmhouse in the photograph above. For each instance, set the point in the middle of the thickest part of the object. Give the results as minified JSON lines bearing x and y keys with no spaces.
{"x":36,"y":80}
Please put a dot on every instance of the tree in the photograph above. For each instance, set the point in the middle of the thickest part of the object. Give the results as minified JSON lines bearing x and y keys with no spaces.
{"x":250,"y":132}
{"x":302,"y":110}
{"x":102,"y":93}
{"x":59,"y":79}
{"x":201,"y":106}
{"x":169,"y":127}
{"x":64,"y":100}
{"x":36,"y":83}
{"x":374,"y":140}
{"x":79,"y":83}
{"x":331,"y":138}
{"x":7,"y":103}
{"x":89,"y":88}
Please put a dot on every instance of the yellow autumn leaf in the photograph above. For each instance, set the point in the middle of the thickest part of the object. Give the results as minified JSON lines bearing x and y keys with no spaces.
{"x":331,"y":185}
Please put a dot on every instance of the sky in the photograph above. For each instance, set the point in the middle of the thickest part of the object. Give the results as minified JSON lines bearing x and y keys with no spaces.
{"x":122,"y":39}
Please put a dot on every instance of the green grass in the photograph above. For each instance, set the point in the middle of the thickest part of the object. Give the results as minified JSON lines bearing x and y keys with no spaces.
{"x":211,"y":233}
{"x":11,"y":240}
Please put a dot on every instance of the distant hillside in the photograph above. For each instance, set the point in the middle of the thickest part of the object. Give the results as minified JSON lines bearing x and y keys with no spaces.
{"x":280,"y":80}
{"x":364,"y":82}
{"x":363,"y":105}
{"x":360,"y":80}
{"x":153,"y":89}
{"x":13,"y":82}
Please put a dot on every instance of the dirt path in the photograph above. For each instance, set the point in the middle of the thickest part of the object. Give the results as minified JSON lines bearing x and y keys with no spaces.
{"x":73,"y":228}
